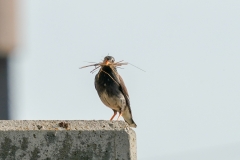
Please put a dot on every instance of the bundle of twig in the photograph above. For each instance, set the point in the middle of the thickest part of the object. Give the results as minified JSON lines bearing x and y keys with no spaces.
{"x":101,"y":64}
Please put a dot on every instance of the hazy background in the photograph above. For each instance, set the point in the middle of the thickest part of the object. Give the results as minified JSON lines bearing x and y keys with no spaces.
{"x":186,"y":104}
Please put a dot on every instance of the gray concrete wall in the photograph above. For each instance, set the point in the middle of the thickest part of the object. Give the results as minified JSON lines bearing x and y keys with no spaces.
{"x":63,"y":140}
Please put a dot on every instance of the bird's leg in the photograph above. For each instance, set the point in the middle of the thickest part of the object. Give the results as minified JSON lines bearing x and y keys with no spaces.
{"x":121,"y":110}
{"x":114,"y":114}
{"x":120,"y":114}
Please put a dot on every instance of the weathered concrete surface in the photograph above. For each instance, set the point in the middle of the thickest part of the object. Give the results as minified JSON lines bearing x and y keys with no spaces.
{"x":63,"y":140}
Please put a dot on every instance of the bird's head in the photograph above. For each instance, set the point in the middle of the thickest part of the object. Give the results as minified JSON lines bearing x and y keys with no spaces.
{"x":108,"y":60}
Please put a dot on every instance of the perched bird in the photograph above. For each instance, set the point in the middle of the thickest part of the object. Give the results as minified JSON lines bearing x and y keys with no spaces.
{"x":112,"y":90}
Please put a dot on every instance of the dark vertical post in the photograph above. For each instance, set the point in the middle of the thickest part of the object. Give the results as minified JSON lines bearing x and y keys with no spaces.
{"x":4,"y":111}
{"x":7,"y":43}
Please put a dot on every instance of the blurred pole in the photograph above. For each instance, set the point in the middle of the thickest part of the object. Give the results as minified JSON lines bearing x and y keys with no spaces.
{"x":7,"y":43}
{"x":4,"y":107}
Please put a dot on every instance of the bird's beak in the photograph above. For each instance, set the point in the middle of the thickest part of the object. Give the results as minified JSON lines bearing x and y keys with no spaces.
{"x":106,"y":62}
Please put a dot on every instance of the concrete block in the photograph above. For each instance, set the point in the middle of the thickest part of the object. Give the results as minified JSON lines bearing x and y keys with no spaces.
{"x":63,"y":140}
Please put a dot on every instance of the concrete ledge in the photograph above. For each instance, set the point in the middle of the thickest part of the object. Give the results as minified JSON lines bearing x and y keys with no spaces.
{"x":63,"y":140}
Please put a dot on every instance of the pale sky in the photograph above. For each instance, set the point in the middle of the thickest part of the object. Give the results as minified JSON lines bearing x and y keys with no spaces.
{"x":187,"y":103}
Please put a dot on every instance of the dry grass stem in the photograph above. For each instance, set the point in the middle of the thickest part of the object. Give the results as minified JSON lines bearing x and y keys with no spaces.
{"x":101,"y":64}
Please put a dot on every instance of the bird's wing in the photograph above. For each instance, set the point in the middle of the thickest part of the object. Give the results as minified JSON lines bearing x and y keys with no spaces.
{"x":124,"y":90}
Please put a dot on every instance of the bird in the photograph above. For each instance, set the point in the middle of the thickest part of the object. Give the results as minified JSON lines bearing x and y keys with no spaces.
{"x":113,"y":92}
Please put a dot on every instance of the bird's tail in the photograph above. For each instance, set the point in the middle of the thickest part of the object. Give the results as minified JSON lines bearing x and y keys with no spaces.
{"x":133,"y":124}
{"x":127,"y":115}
